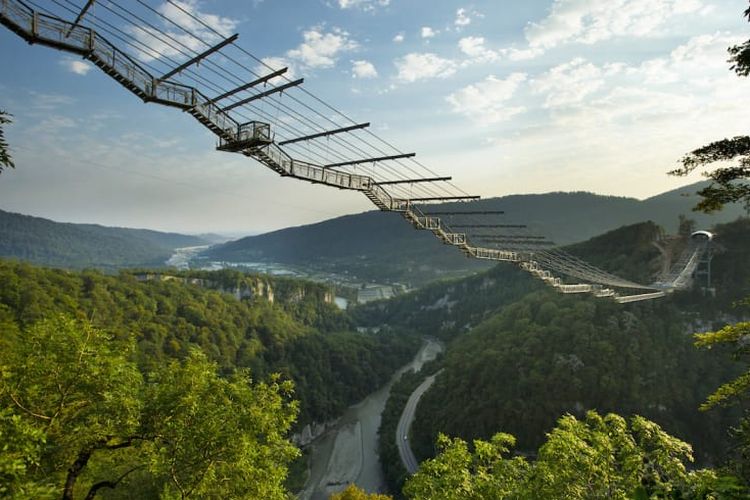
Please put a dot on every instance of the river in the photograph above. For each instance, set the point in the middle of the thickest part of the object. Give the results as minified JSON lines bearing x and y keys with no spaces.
{"x":348,"y":453}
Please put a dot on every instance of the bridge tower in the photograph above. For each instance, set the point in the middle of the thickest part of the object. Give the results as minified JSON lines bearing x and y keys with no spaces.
{"x":702,"y":274}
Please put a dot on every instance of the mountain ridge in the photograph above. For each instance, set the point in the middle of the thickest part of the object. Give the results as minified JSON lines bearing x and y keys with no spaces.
{"x":381,"y":246}
{"x":70,"y":245}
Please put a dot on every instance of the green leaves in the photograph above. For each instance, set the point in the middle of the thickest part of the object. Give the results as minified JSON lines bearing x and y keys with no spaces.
{"x":594,"y":458}
{"x":215,"y":436}
{"x":5,"y":159}
{"x":740,"y":55}
{"x":76,"y":416}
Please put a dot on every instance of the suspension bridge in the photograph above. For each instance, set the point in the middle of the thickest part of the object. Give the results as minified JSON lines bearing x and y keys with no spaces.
{"x":275,"y":121}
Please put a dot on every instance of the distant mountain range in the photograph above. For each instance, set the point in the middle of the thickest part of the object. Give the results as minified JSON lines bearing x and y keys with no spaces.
{"x":58,"y":244}
{"x":382,"y":246}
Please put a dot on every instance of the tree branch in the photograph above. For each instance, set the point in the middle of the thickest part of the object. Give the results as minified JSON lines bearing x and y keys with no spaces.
{"x":17,"y":403}
{"x":109,"y":484}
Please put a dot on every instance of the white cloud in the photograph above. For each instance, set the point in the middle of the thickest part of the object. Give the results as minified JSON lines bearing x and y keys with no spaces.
{"x":320,"y":49}
{"x":49,"y":102}
{"x":473,"y":46}
{"x":427,"y":32}
{"x":366,"y":5}
{"x":422,"y":66}
{"x":276,"y":63}
{"x":363,"y":70}
{"x":183,"y":13}
{"x":569,"y":83}
{"x":76,"y":66}
{"x":486,"y":101}
{"x":462,"y":18}
{"x":591,"y":21}
{"x":516,"y":54}
{"x":398,"y":38}
{"x":186,"y":14}
{"x":52,"y":125}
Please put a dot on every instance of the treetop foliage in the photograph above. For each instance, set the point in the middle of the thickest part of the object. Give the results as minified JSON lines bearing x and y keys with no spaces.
{"x":740,"y":55}
{"x":597,"y":457}
{"x":6,"y":161}
{"x":79,"y":417}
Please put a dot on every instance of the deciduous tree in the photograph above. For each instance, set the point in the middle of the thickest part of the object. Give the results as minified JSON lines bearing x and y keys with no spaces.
{"x":6,"y":161}
{"x":77,"y":417}
{"x":595,"y":458}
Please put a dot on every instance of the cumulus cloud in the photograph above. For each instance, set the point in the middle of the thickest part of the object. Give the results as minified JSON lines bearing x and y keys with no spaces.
{"x":186,"y":14}
{"x":462,"y":18}
{"x":363,"y":70}
{"x":398,"y":38}
{"x":366,"y":5}
{"x":486,"y":101}
{"x":591,"y":21}
{"x":474,"y":48}
{"x":320,"y":49}
{"x":76,"y":66}
{"x":423,"y":66}
{"x":277,"y":63}
{"x":427,"y":32}
{"x":569,"y":83}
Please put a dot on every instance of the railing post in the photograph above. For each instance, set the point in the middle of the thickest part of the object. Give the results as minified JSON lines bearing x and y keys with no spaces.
{"x":34,"y":23}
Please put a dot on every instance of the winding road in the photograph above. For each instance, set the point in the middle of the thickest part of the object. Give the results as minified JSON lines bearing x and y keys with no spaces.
{"x":404,"y":423}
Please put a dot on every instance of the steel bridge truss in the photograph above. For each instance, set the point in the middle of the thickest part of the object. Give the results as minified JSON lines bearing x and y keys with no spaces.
{"x":255,"y":140}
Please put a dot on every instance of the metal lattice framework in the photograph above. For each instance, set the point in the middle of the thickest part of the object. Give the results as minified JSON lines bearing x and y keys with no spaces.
{"x":275,"y":121}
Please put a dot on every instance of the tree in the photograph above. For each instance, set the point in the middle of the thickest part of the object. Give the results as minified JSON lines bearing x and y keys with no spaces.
{"x":76,"y":417}
{"x":595,"y":458}
{"x":740,"y":55}
{"x":217,"y":437}
{"x":353,"y":493}
{"x":72,"y":384}
{"x":727,"y":184}
{"x":5,"y":159}
{"x":734,"y":391}
{"x":456,"y":473}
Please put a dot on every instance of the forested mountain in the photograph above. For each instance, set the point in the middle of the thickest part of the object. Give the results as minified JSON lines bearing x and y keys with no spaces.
{"x":521,"y":355}
{"x":58,"y":244}
{"x":382,"y":246}
{"x":280,"y":325}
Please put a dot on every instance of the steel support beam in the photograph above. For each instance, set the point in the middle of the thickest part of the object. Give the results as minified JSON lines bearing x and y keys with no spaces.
{"x":325,"y":134}
{"x":444,"y":198}
{"x":482,"y":212}
{"x":280,"y":88}
{"x":488,"y":226}
{"x":262,"y":79}
{"x":509,"y":237}
{"x":200,"y":56}
{"x":411,"y":181}
{"x":80,"y":16}
{"x":369,"y":160}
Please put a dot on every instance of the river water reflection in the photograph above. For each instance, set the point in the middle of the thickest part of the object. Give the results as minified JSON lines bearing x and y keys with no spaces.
{"x":348,"y":453}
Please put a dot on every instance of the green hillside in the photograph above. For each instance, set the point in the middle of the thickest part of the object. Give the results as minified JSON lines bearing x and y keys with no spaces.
{"x":520,"y":355}
{"x":279,"y":325}
{"x":58,"y":244}
{"x":381,"y":246}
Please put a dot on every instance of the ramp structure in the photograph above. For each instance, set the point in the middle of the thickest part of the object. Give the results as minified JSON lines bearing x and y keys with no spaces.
{"x":368,"y":164}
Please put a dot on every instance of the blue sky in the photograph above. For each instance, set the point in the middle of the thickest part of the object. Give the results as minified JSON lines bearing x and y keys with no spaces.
{"x":507,"y":97}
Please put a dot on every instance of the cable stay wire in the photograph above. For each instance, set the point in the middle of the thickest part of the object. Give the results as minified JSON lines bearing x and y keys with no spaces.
{"x":412,"y":188}
{"x":170,"y":41}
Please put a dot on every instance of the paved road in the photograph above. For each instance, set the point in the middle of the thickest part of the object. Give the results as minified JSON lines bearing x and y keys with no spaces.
{"x":404,"y":423}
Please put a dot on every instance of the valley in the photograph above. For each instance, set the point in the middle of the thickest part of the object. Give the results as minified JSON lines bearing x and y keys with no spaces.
{"x":463,"y":317}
